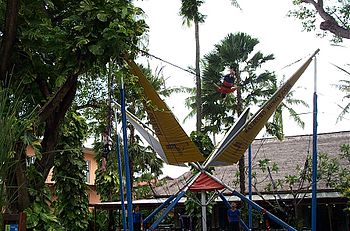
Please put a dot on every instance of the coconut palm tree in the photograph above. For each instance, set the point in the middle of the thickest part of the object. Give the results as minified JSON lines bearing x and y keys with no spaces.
{"x":190,"y":12}
{"x":255,"y":87}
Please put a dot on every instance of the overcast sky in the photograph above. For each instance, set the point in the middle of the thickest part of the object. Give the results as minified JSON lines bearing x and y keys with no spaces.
{"x":278,"y":35}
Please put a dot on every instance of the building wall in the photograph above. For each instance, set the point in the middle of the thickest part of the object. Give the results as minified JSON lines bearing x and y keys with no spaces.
{"x":89,"y":157}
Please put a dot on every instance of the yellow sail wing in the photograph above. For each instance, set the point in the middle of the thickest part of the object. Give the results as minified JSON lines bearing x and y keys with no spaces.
{"x":176,"y":145}
{"x":239,"y":144}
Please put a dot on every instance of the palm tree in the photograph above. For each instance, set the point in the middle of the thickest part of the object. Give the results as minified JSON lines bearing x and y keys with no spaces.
{"x":236,"y":49}
{"x":275,"y":127}
{"x":190,"y":13}
{"x":255,"y":87}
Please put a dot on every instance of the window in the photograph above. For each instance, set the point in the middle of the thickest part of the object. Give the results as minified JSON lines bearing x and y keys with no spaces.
{"x":30,"y":160}
{"x":87,"y":171}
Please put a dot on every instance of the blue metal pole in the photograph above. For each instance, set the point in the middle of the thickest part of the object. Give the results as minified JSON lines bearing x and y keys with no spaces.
{"x":244,"y":226}
{"x":259,"y":208}
{"x":250,"y":216}
{"x":171,"y":206}
{"x":159,"y":208}
{"x":120,"y":171}
{"x":228,"y":206}
{"x":226,"y":203}
{"x":314,"y":157}
{"x":126,"y":159}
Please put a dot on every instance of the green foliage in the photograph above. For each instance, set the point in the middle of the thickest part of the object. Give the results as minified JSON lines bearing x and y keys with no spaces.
{"x":107,"y":182}
{"x":190,"y":11}
{"x":40,"y":215}
{"x":255,"y":85}
{"x":8,"y":137}
{"x":344,"y":86}
{"x":146,"y":168}
{"x":16,"y":126}
{"x":193,"y":208}
{"x":329,"y":14}
{"x":58,"y":42}
{"x":203,"y":142}
{"x":71,"y":205}
{"x":344,"y":183}
{"x":263,"y":164}
{"x":144,"y":159}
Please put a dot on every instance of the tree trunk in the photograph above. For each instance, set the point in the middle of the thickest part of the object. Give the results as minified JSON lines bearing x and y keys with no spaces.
{"x":9,"y":37}
{"x":239,"y":110}
{"x":198,"y":81}
{"x":23,"y":194}
{"x":296,"y":212}
{"x":54,"y":118}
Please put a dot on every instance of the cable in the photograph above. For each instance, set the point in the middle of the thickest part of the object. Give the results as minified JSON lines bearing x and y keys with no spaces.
{"x":296,"y":61}
{"x":177,"y":66}
{"x":172,"y":64}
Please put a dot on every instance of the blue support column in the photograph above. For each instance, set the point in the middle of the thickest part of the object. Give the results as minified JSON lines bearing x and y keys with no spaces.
{"x":228,"y":206}
{"x":171,"y":206}
{"x":244,"y":226}
{"x":226,"y":203}
{"x":259,"y":208}
{"x":159,"y":208}
{"x":250,"y":216}
{"x":126,"y":159}
{"x":314,"y":157}
{"x":120,"y":172}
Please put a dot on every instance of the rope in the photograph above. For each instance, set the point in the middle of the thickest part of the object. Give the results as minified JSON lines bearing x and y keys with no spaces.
{"x":168,"y":62}
{"x":175,"y":65}
{"x":296,"y":61}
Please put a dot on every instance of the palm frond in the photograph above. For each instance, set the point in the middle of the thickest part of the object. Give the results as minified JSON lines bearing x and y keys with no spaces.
{"x":343,"y":86}
{"x":295,"y":116}
{"x":345,"y":110}
{"x":235,"y":4}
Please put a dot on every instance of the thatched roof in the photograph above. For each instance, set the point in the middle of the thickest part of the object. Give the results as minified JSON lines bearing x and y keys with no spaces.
{"x":288,"y":155}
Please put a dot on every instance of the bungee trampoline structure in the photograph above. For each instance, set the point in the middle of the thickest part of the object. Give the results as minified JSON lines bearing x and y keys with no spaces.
{"x":171,"y":143}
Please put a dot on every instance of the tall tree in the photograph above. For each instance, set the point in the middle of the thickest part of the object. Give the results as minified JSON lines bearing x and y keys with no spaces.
{"x":48,"y":46}
{"x":333,"y":14}
{"x":144,"y":163}
{"x":72,"y":203}
{"x":255,"y":86}
{"x":190,"y":12}
{"x":236,"y":49}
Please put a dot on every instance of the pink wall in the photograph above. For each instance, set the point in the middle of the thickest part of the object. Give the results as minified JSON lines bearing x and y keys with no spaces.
{"x":89,"y":155}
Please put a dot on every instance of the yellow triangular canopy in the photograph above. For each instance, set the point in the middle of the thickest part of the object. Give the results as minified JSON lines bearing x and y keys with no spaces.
{"x":176,"y":145}
{"x":245,"y":136}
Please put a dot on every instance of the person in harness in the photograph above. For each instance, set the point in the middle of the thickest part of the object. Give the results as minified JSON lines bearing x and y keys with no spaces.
{"x":227,"y":85}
